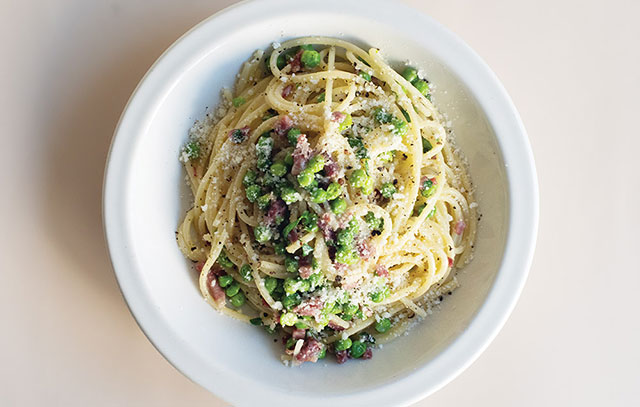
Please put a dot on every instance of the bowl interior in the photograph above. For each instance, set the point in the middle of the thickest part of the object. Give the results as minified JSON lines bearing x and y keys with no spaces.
{"x":155,"y":199}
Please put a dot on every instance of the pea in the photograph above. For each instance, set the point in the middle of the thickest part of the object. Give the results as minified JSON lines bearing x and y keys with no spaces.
{"x":400,"y":127}
{"x":366,"y":76}
{"x":249,"y":178}
{"x":290,"y":285}
{"x":279,"y":169}
{"x":264,"y":147}
{"x":239,"y":101}
{"x":279,"y":248}
{"x":358,"y":349}
{"x":383,"y":325}
{"x":301,"y":325}
{"x":289,"y":195}
{"x":305,"y":178}
{"x":343,"y":344}
{"x":380,"y":295}
{"x":422,"y":86}
{"x":428,"y":188}
{"x":374,"y":222}
{"x":410,"y":74}
{"x":426,"y":145}
{"x":292,"y":136}
{"x":262,"y":233}
{"x":256,"y":321}
{"x":192,"y":149}
{"x":307,"y":47}
{"x":225,"y":280}
{"x":318,"y":196}
{"x":253,"y":192}
{"x":346,"y":123}
{"x":323,"y":353}
{"x":270,"y":284}
{"x":291,"y":300}
{"x":238,"y":300}
{"x":232,"y":290}
{"x":346,"y":256}
{"x":338,"y":206}
{"x":310,"y":58}
{"x":264,"y":201}
{"x":314,"y":280}
{"x":306,"y":249}
{"x":224,"y":261}
{"x":358,"y":178}
{"x":387,"y":156}
{"x":345,"y":237}
{"x":316,"y":164}
{"x":246,"y":272}
{"x":333,"y":191}
{"x":381,"y":116}
{"x":288,"y":319}
{"x":291,"y":264}
{"x":388,"y":189}
{"x":310,"y":221}
{"x":288,"y":159}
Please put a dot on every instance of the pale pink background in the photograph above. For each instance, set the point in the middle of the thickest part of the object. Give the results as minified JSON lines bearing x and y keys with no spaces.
{"x":68,"y":67}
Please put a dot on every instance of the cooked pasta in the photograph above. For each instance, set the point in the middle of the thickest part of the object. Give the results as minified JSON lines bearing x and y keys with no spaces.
{"x":329,"y":202}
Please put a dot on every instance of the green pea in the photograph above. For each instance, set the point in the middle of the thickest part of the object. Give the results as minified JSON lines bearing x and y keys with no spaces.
{"x":428,"y":188}
{"x":310,"y":221}
{"x":374,"y":222}
{"x":381,"y":116}
{"x":388,"y":189}
{"x":264,"y":148}
{"x":314,"y":280}
{"x":238,"y":300}
{"x":289,"y":195}
{"x":323,"y":353}
{"x":192,"y":149}
{"x":270,"y":284}
{"x":264,"y":201}
{"x":292,"y":136}
{"x":366,"y":76}
{"x":279,"y":248}
{"x":338,"y":206}
{"x":249,"y":178}
{"x":310,"y":58}
{"x":224,"y":261}
{"x":426,"y":145}
{"x":380,"y":295}
{"x":358,"y":178}
{"x":333,"y":190}
{"x":304,"y":286}
{"x":316,"y":164}
{"x":290,"y":285}
{"x":288,"y":159}
{"x":358,"y":349}
{"x":239,"y":101}
{"x":345,"y":237}
{"x":232,"y":290}
{"x":307,"y":47}
{"x":422,"y":86}
{"x":291,"y":264}
{"x":256,"y":321}
{"x":291,"y":300}
{"x":262,"y":233}
{"x":343,"y":344}
{"x":225,"y":280}
{"x":306,"y":249}
{"x":383,"y":325}
{"x":346,"y":256}
{"x":246,"y":272}
{"x":253,"y":192}
{"x":288,"y":319}
{"x":318,"y":196}
{"x":346,"y":122}
{"x":348,"y":311}
{"x":400,"y":127}
{"x":279,"y":169}
{"x":410,"y":74}
{"x":305,"y":178}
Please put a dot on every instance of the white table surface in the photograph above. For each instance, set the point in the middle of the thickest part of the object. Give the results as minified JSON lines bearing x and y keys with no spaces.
{"x":68,"y":67}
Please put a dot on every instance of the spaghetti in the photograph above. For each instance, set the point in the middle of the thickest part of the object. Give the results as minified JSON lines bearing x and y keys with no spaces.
{"x":328,"y":200}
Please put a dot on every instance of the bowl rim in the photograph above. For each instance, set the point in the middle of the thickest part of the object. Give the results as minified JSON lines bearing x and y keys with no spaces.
{"x":523,"y":203}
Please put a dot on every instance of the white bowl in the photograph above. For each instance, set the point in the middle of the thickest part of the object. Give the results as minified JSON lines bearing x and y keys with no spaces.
{"x":142,"y":208}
